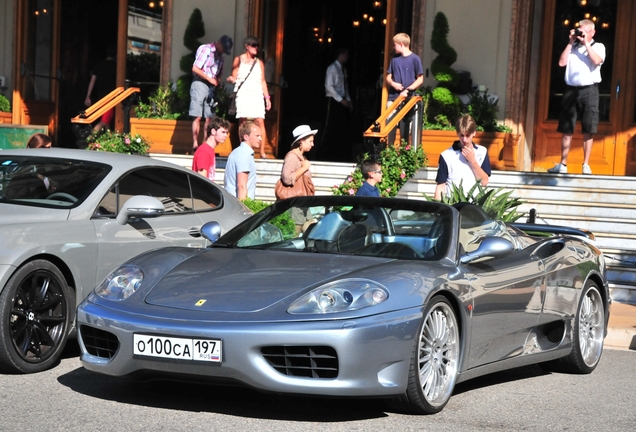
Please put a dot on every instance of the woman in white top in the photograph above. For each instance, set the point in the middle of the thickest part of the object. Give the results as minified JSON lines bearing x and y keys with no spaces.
{"x":252,"y":97}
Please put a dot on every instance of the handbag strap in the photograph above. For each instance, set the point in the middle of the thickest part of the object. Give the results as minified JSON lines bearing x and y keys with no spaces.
{"x":247,"y":76}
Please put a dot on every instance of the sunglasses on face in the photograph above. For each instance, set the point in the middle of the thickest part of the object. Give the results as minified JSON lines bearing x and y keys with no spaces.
{"x":253,"y":45}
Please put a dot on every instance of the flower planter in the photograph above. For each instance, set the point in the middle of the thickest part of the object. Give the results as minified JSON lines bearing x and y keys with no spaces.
{"x":502,"y":147}
{"x":172,"y":136}
{"x":5,"y":118}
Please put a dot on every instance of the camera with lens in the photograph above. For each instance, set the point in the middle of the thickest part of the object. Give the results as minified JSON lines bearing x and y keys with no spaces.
{"x":578,"y":32}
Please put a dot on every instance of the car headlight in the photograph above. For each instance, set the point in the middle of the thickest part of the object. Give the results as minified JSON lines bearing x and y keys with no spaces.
{"x":340,"y":296}
{"x":121,"y":283}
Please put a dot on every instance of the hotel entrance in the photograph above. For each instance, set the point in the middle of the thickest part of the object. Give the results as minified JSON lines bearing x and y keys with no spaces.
{"x":300,"y":40}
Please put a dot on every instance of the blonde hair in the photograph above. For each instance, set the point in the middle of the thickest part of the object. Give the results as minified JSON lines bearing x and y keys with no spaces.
{"x":402,"y":38}
{"x":246,"y":128}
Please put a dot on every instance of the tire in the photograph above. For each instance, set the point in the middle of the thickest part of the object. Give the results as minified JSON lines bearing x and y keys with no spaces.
{"x":435,"y":360}
{"x":588,"y":332}
{"x":35,"y":318}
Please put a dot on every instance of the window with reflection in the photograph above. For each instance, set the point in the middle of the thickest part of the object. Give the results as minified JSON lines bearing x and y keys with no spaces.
{"x":143,"y":47}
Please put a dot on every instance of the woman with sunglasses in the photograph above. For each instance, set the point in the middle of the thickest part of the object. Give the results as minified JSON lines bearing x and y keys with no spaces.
{"x":252,"y":97}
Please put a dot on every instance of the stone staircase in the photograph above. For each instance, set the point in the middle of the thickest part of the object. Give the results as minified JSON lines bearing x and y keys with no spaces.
{"x":604,"y":205}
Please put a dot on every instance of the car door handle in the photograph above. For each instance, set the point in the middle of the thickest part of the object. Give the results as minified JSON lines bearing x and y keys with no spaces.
{"x":194,"y":232}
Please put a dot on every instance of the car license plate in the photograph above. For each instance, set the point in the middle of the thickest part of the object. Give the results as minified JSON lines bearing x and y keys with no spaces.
{"x":177,"y":348}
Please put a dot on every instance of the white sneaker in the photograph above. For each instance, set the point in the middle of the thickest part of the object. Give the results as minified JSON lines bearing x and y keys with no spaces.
{"x":587,"y":169}
{"x":560,"y":169}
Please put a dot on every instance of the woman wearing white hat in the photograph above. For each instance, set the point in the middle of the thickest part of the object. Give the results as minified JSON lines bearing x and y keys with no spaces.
{"x":295,"y":177}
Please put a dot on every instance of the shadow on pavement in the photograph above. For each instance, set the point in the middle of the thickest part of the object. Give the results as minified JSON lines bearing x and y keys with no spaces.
{"x":236,"y":401}
{"x":246,"y":402}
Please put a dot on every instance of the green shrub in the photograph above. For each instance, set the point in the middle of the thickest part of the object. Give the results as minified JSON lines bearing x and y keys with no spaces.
{"x":398,"y":166}
{"x":160,"y":105}
{"x":5,"y":106}
{"x":284,"y":222}
{"x":497,"y":205}
{"x":443,"y":101}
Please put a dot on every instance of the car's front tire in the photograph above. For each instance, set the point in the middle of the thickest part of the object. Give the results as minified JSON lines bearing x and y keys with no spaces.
{"x":588,"y":334}
{"x":434,"y":362}
{"x":35,"y":318}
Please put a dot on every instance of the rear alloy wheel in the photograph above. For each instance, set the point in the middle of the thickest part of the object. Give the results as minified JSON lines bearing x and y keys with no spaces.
{"x":35,"y":317}
{"x":434,"y":363}
{"x":589,"y":332}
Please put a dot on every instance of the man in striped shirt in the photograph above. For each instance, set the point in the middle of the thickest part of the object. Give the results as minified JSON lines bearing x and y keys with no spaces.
{"x":206,"y":70}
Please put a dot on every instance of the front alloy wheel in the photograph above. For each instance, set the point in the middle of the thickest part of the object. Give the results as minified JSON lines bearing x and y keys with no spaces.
{"x":35,"y":317}
{"x":589,"y":332}
{"x":434,"y":363}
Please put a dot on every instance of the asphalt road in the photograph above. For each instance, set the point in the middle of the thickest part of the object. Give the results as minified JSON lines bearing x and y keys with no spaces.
{"x":69,"y":398}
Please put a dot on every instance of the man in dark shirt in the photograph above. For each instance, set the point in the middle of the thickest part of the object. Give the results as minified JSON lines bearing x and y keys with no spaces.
{"x":103,"y":80}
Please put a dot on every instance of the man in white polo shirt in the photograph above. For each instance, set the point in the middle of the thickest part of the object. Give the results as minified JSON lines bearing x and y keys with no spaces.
{"x":582,"y":58}
{"x":465,"y":163}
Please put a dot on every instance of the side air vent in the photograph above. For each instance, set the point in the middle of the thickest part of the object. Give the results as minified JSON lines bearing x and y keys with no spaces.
{"x":303,"y":361}
{"x":99,"y":343}
{"x":549,"y":250}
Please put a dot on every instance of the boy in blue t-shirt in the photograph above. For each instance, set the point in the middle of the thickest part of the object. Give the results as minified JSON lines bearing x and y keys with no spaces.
{"x":404,"y":76}
{"x":372,"y":173}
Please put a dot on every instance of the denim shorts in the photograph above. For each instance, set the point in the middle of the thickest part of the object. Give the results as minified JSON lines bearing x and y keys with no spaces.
{"x":199,"y":104}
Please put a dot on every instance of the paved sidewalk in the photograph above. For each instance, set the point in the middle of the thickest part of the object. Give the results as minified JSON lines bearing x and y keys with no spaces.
{"x":622,"y":327}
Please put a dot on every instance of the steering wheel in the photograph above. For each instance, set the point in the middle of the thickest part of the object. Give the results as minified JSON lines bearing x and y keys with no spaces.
{"x":63,"y":195}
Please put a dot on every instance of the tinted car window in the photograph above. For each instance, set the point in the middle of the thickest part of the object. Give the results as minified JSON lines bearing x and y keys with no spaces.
{"x":205,"y":196}
{"x":48,"y":182}
{"x":171,"y":187}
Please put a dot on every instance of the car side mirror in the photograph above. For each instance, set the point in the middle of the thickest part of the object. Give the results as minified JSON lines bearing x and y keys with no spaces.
{"x":490,"y":247}
{"x":211,"y":231}
{"x":139,"y":206}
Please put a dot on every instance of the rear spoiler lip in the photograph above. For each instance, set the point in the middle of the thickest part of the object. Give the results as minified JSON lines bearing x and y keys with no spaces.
{"x":553,"y":229}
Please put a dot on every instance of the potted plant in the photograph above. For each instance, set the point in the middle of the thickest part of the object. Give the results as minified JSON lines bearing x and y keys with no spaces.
{"x":5,"y":110}
{"x":497,"y":205}
{"x":169,"y":130}
{"x":441,"y":108}
{"x":113,"y":141}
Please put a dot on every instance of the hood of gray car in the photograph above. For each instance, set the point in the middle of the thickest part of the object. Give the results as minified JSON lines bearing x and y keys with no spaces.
{"x":240,"y":280}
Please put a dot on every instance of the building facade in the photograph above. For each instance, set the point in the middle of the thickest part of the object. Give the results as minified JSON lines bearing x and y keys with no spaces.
{"x":509,"y":47}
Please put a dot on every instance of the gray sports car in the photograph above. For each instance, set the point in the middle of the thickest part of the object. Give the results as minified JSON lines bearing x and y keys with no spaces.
{"x":352,"y":296}
{"x":68,"y":218}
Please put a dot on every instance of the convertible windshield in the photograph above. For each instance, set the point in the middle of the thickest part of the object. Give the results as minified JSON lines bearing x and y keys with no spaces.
{"x":48,"y":182}
{"x":363,"y":230}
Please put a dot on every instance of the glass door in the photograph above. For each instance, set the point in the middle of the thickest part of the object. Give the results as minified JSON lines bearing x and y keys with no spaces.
{"x":609,"y":153}
{"x":35,"y":99}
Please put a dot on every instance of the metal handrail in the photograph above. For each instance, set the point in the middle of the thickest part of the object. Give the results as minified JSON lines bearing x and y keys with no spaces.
{"x":111,"y":100}
{"x":381,"y":128}
{"x":376,"y":135}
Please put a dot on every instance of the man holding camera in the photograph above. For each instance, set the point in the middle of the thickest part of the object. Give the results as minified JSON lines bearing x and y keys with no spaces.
{"x":582,"y":58}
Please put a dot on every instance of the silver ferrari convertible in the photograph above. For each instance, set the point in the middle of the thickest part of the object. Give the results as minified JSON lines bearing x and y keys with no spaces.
{"x":68,"y":218}
{"x":352,"y":296}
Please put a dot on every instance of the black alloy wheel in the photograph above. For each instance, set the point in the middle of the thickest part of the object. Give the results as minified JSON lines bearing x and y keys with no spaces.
{"x":35,"y":316}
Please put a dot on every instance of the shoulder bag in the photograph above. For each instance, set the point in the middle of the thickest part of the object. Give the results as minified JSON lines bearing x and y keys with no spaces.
{"x":304,"y":186}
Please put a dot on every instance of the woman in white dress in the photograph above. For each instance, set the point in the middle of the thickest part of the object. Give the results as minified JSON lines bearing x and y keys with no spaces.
{"x":252,"y":97}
